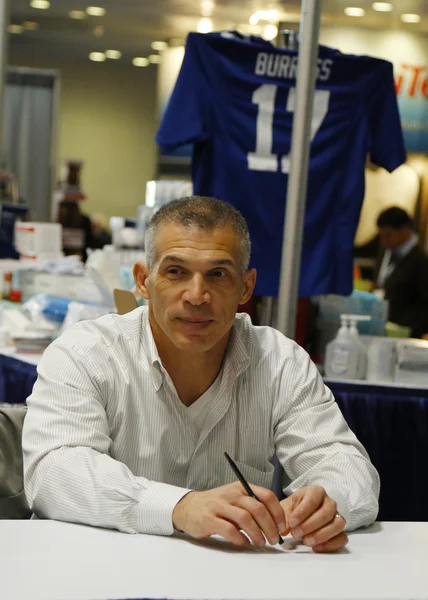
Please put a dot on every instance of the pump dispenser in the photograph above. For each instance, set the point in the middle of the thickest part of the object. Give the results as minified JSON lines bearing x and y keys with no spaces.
{"x":346,"y":356}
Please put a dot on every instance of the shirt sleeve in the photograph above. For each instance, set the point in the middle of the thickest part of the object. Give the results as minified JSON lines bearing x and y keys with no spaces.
{"x":68,"y":472}
{"x":386,"y":136}
{"x":187,"y":116}
{"x":316,"y":447}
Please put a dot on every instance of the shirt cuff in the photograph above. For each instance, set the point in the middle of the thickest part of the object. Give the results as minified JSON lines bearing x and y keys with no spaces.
{"x":156,"y":507}
{"x":342,"y":504}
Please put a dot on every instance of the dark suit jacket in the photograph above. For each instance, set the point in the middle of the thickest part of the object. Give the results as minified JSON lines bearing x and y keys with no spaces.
{"x":407,"y":291}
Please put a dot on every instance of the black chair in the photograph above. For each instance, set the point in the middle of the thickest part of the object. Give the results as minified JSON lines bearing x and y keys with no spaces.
{"x":13,"y":503}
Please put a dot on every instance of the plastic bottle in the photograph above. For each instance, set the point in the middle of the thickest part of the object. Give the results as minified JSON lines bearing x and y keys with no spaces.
{"x":337,"y":355}
{"x":346,"y":356}
{"x":15,"y":294}
{"x":359,"y":350}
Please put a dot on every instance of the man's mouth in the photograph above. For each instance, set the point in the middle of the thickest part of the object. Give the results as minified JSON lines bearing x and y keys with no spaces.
{"x":193,"y":323}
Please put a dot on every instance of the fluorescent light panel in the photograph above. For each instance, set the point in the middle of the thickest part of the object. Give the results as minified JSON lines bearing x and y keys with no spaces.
{"x":270,"y":32}
{"x":113,"y":54}
{"x":159,"y":46}
{"x":97,"y":56}
{"x":410,"y":18}
{"x":96,"y":11}
{"x":382,"y":6}
{"x":140,"y":61}
{"x":30,"y":25}
{"x":354,"y":11}
{"x":205,"y":25}
{"x":16,"y":29}
{"x":40,"y":4}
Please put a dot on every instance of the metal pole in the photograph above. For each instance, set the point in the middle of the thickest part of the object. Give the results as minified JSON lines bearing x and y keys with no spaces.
{"x":299,"y":168}
{"x":4,"y":22}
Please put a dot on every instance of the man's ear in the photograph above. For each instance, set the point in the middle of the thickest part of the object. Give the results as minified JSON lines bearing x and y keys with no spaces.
{"x":249,"y":284}
{"x":141,"y":273}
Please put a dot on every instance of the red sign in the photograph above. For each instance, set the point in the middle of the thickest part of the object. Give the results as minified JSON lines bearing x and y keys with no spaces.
{"x":412,"y":81}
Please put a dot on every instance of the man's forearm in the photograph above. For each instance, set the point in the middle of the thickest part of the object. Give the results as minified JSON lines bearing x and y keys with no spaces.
{"x":356,"y":491}
{"x":84,"y":486}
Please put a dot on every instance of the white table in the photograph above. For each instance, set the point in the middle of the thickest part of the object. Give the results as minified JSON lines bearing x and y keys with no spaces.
{"x":60,"y":561}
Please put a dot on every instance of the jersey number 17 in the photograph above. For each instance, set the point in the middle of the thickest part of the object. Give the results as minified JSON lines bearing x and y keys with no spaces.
{"x":265,"y":96}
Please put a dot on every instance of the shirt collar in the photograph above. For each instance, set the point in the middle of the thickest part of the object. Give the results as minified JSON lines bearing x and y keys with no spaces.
{"x":237,"y":359}
{"x":407,"y":247}
{"x":236,"y":352}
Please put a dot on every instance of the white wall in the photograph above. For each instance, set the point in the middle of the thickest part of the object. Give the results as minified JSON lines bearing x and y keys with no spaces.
{"x":107,"y":119}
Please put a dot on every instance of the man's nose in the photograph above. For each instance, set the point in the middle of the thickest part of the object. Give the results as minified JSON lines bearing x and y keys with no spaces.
{"x":196,"y":292}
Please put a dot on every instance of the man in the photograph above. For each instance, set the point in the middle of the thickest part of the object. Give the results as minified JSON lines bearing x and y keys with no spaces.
{"x":403,"y":271}
{"x":130,"y":415}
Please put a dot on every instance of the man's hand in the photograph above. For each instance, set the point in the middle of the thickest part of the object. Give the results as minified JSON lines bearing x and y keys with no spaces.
{"x":227,"y":510}
{"x":312,"y":516}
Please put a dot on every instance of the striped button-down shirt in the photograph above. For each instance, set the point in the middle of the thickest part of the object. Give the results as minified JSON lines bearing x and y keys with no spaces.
{"x":107,"y":441}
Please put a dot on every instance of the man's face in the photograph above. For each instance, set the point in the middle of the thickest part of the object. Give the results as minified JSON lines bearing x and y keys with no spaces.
{"x":195,"y":286}
{"x":392,"y":238}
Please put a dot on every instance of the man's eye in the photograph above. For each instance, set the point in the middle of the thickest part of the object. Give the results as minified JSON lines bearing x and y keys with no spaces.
{"x":174,"y":271}
{"x":219,"y":273}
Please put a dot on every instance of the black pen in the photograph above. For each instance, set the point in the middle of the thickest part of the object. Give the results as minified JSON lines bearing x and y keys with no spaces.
{"x":245,"y":485}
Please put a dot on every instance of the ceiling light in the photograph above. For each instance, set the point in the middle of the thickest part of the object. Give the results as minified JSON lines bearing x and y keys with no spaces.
{"x":410,"y":18}
{"x":97,"y":56}
{"x":77,"y":14}
{"x":270,"y":32}
{"x":205,"y":25}
{"x":354,"y":11}
{"x":15,"y":29}
{"x":207,"y":8}
{"x":155,"y":59}
{"x":159,"y":46}
{"x":113,"y":54}
{"x":382,"y":6}
{"x":139,"y":61}
{"x":96,"y":11}
{"x":40,"y":4}
{"x":30,"y":25}
{"x":254,"y":19}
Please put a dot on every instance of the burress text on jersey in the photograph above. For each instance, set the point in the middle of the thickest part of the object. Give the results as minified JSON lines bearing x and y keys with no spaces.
{"x":285,"y":67}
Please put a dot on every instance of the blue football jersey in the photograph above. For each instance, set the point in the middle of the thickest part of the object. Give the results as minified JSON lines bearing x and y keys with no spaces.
{"x":234,"y":100}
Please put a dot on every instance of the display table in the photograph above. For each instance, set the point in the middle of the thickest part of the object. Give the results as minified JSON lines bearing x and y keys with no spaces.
{"x":61,"y":561}
{"x":18,"y":373}
{"x":392,"y":424}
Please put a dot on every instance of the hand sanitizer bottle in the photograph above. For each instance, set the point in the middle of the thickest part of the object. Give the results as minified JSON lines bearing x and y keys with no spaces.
{"x":338,"y":353}
{"x":359,"y":350}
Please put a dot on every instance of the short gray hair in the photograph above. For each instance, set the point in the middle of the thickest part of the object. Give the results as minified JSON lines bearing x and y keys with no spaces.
{"x":203,"y":213}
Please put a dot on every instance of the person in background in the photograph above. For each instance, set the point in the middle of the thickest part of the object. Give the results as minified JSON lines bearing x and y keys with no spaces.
{"x":76,"y":229}
{"x":101,"y":235}
{"x":131,"y":415}
{"x":402,"y":272}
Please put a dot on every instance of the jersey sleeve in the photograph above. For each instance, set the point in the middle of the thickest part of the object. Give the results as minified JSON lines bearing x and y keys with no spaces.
{"x":386,"y":137}
{"x":187,"y":116}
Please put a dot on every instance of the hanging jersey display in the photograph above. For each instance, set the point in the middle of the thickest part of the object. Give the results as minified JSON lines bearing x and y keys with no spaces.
{"x":234,"y":100}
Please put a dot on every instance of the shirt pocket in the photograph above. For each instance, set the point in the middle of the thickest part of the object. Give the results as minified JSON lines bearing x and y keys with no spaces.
{"x":255,"y":476}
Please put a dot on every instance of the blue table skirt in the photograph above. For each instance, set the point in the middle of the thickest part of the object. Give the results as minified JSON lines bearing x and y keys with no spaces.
{"x":16,"y":379}
{"x":392,"y":424}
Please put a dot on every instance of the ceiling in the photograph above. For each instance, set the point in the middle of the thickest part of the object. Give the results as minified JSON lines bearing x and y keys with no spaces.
{"x":131,"y":25}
